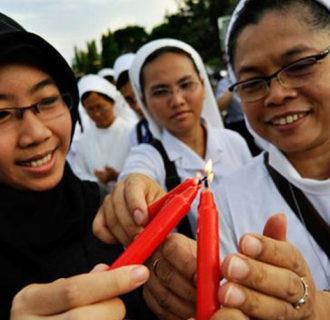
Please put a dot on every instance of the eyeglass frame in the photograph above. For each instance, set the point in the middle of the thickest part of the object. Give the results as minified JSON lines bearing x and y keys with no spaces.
{"x":19,"y":111}
{"x":276,"y":74}
{"x":172,"y":89}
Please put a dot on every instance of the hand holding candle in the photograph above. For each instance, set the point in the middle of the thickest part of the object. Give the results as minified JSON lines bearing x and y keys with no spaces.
{"x":208,"y":259}
{"x":166,"y":219}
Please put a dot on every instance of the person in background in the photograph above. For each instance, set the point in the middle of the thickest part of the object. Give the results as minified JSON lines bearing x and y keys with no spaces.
{"x":123,"y":84}
{"x":96,"y":158}
{"x":107,"y":74}
{"x":230,"y":107}
{"x":47,"y":245}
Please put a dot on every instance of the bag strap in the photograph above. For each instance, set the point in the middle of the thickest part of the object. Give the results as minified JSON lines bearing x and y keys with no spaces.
{"x":302,"y":207}
{"x":145,"y":137}
{"x":172,"y":180}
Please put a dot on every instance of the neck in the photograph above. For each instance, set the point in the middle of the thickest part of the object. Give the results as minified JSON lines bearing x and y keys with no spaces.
{"x":195,"y":139}
{"x":313,"y":164}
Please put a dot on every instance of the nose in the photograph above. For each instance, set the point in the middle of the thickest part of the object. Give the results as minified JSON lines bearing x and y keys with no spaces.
{"x":278,"y":93}
{"x":32,"y":131}
{"x":177,"y":97}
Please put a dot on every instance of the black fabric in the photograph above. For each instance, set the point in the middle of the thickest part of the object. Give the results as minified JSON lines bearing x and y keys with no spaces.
{"x":315,"y":224}
{"x":143,"y":132}
{"x":173,"y":180}
{"x":47,"y":235}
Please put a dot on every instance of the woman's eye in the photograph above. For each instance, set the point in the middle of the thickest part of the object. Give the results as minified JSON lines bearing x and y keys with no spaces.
{"x":4,"y":115}
{"x":49,"y":101}
{"x":186,"y":85}
{"x":252,"y":85}
{"x":301,"y":68}
{"x":160,"y":92}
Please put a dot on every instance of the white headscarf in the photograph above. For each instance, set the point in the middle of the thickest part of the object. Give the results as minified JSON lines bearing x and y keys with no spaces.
{"x":122,"y":63}
{"x":93,"y":82}
{"x":210,"y":108}
{"x":236,"y":13}
{"x":105,"y":72}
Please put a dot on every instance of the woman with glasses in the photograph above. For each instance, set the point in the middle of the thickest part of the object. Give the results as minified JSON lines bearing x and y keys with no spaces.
{"x":46,"y":212}
{"x":279,"y":57}
{"x":172,"y":87}
{"x":171,"y":84}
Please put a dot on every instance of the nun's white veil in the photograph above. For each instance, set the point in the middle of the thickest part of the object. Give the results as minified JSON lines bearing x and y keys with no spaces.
{"x":236,"y":13}
{"x":210,"y":109}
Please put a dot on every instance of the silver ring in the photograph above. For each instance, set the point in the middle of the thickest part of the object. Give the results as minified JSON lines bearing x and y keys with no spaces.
{"x":297,"y":305}
{"x":154,"y":266}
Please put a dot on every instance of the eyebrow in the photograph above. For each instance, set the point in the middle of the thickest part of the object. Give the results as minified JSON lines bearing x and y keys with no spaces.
{"x":291,"y":52}
{"x":42,"y":84}
{"x":161,"y":85}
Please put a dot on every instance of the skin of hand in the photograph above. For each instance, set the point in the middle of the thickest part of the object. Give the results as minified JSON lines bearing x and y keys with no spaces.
{"x":124,"y":212}
{"x":170,"y":292}
{"x":263,"y":279}
{"x":92,"y":295}
{"x":106,"y":175}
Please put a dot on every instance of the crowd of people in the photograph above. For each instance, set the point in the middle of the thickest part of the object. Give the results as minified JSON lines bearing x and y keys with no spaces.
{"x":81,"y":160}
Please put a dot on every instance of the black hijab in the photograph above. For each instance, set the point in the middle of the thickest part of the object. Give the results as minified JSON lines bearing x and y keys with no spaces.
{"x":45,"y":235}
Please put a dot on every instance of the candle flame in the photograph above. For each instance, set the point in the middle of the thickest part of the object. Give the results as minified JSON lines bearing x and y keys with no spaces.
{"x":209,"y":171}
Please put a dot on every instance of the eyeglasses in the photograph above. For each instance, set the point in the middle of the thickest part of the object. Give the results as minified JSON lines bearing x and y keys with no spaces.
{"x":165,"y":93}
{"x":47,"y":109}
{"x":293,"y":75}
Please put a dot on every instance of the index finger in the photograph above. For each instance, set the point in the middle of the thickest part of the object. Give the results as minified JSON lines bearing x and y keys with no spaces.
{"x":140,"y":191}
{"x":65,"y":294}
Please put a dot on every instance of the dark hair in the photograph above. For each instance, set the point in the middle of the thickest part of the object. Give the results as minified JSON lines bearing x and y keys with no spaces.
{"x":122,"y":79}
{"x":105,"y":97}
{"x":312,"y":12}
{"x":157,"y":53}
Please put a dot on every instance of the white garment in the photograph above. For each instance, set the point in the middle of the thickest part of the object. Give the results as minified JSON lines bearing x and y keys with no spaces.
{"x":210,"y":110}
{"x":249,"y":197}
{"x":227,"y":149}
{"x":102,"y":147}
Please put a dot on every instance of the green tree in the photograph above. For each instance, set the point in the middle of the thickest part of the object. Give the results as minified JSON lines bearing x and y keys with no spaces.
{"x":110,"y":50}
{"x":131,"y":38}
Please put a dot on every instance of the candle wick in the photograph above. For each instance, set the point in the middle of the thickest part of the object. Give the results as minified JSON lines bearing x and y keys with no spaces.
{"x":206,"y":183}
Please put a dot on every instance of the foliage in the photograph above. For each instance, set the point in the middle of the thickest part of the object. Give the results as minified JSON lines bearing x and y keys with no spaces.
{"x":195,"y":23}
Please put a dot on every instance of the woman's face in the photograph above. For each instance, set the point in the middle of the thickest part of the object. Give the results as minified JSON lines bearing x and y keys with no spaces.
{"x":294,"y":120}
{"x":173,"y":92}
{"x":32,"y":151}
{"x":99,"y":109}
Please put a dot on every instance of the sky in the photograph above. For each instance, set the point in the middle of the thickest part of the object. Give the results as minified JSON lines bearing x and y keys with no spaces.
{"x":69,"y":23}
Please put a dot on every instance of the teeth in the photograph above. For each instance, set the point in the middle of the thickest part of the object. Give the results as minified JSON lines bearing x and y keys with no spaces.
{"x":288,"y":119}
{"x":40,"y":162}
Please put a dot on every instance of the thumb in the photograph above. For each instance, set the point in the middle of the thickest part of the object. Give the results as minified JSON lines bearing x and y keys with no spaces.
{"x":276,"y":227}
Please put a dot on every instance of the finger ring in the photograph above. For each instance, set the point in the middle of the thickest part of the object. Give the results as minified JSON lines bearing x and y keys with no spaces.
{"x":154,"y":266}
{"x":303,"y":298}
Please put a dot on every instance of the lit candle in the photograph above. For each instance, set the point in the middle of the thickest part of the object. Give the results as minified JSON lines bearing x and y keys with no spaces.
{"x":208,"y":258}
{"x":156,"y":206}
{"x":156,"y":231}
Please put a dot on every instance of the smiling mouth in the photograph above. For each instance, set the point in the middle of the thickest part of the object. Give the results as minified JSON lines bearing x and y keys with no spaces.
{"x":289,"y":119}
{"x":37,"y":163}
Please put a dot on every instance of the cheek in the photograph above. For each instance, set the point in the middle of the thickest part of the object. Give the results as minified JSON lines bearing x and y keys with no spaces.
{"x":62,"y":129}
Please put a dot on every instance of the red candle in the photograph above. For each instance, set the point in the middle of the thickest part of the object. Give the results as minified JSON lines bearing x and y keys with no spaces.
{"x":155,"y":207}
{"x":208,"y":260}
{"x":152,"y":236}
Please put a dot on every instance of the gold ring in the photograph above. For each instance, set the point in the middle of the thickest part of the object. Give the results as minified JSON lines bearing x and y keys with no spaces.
{"x":154,"y":266}
{"x":297,"y":305}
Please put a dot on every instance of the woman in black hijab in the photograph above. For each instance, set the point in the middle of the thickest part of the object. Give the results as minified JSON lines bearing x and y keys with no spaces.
{"x":46,"y":212}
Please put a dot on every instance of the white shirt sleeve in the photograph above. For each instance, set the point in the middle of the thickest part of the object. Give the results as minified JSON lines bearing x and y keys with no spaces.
{"x":144,"y":159}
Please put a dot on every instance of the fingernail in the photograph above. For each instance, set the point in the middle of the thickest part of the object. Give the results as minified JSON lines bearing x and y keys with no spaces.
{"x":139,"y":274}
{"x":251,"y":246}
{"x":138,"y":217}
{"x":234,"y":297}
{"x":237,"y":269}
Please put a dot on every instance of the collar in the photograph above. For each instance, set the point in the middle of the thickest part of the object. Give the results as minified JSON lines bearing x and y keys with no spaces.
{"x":185,"y":157}
{"x":281,"y":164}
